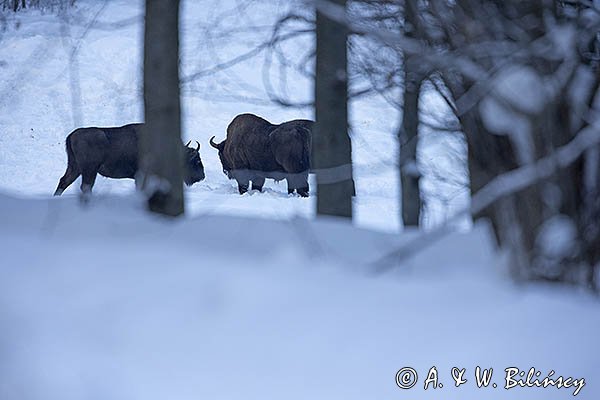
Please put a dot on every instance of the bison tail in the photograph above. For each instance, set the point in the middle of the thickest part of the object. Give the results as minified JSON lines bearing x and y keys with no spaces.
{"x":71,"y":161}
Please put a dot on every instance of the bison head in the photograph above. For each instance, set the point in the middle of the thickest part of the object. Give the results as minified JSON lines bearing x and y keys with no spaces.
{"x":194,"y":170}
{"x":227,"y":167}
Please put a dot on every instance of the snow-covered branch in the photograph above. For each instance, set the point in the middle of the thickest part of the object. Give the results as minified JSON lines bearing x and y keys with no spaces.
{"x":503,"y":185}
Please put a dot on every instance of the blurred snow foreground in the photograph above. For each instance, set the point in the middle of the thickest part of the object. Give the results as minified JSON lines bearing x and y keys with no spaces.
{"x":108,"y":302}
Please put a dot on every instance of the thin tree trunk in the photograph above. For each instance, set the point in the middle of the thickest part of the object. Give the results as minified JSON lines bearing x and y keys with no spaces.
{"x":161,"y":159}
{"x":408,"y":137}
{"x":409,"y":129}
{"x":332,"y":153}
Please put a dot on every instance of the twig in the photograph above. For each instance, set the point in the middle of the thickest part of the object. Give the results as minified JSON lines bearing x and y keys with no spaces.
{"x":503,"y":185}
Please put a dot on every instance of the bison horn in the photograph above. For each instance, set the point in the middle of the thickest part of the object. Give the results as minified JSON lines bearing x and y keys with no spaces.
{"x":213,"y":144}
{"x":188,"y":143}
{"x":198,"y":148}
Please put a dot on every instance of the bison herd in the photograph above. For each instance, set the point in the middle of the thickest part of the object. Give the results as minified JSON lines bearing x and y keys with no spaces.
{"x":253,"y":151}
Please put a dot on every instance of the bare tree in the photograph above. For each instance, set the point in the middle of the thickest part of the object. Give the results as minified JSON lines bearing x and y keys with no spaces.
{"x":161,"y":159}
{"x":523,"y":96}
{"x":522,"y":77}
{"x":409,"y":129}
{"x":373,"y":68}
{"x":525,"y":85}
{"x":332,"y":153}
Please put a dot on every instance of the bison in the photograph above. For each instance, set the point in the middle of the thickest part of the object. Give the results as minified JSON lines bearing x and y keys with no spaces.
{"x":113,"y":153}
{"x":255,"y":150}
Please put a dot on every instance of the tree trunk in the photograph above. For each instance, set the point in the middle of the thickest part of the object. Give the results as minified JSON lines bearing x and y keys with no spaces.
{"x":408,"y":137}
{"x":332,"y":153}
{"x":520,"y":219}
{"x":161,"y":158}
{"x":408,"y":134}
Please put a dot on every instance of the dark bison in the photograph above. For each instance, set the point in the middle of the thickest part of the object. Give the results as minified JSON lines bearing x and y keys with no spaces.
{"x":255,"y":149}
{"x":113,"y":152}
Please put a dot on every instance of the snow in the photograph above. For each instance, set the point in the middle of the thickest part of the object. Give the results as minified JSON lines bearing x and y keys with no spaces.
{"x":108,"y":302}
{"x":84,"y":69}
{"x":564,"y":41}
{"x":247,"y":296}
{"x":557,"y":237}
{"x":516,"y":94}
{"x":522,"y":87}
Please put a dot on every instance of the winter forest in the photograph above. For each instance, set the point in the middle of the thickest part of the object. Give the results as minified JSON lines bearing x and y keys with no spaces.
{"x":299,"y":199}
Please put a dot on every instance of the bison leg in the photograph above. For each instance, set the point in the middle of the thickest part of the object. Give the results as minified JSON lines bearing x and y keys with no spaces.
{"x":299,"y":183}
{"x":72,"y":171}
{"x":243,"y":180}
{"x":258,"y":183}
{"x":242,"y":188}
{"x":69,"y":177}
{"x":291,"y":185}
{"x":303,"y":191}
{"x":87,"y":182}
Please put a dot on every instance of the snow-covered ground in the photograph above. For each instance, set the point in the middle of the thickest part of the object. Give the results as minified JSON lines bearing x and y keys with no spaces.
{"x":109,"y":303}
{"x":84,"y":69}
{"x":247,"y":297}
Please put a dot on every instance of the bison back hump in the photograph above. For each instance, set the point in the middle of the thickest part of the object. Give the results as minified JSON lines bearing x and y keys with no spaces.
{"x":247,"y":146}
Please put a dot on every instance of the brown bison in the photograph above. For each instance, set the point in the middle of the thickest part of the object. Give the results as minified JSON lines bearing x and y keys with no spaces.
{"x":256,"y":149}
{"x":113,"y":152}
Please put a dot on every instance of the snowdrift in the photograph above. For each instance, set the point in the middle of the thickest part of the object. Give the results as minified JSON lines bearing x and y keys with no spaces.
{"x":109,"y":302}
